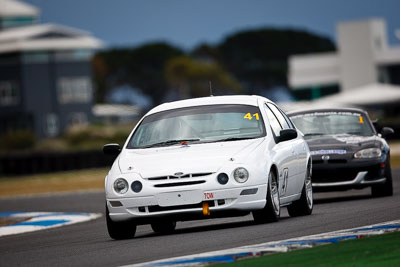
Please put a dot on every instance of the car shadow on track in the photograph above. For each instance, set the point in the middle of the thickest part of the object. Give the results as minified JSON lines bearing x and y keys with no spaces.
{"x":207,"y":228}
{"x":332,"y":199}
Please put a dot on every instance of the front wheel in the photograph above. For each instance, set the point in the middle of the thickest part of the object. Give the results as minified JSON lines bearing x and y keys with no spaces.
{"x":119,"y":230}
{"x":386,"y":189}
{"x":304,"y":205}
{"x":272,"y":209}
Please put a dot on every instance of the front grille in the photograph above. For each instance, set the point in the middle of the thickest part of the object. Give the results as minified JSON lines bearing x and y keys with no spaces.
{"x":180,"y":184}
{"x":337,"y":161}
{"x":188,"y":175}
{"x":330,"y":161}
{"x":343,"y":174}
{"x":333,"y":176}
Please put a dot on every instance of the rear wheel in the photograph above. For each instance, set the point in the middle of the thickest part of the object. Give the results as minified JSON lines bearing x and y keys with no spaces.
{"x":385,"y":189}
{"x":304,"y":205}
{"x":120,"y":230}
{"x":272,"y":209}
{"x":163,"y":227}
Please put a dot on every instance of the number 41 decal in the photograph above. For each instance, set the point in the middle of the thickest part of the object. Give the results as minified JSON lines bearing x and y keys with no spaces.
{"x":249,"y":117}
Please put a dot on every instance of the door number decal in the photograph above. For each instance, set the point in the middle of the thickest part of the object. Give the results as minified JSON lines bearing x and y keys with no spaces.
{"x":285,"y":180}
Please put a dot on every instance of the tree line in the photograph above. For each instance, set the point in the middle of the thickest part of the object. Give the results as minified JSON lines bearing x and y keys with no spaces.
{"x":247,"y":62}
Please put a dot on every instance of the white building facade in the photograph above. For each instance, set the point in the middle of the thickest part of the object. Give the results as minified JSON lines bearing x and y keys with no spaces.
{"x":363,"y":57}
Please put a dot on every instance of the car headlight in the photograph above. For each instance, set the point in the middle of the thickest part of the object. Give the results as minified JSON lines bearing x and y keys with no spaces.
{"x":241,"y":175}
{"x":121,"y":186}
{"x":368,"y":153}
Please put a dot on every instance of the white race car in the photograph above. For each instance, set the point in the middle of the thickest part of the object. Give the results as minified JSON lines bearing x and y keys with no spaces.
{"x":205,"y":158}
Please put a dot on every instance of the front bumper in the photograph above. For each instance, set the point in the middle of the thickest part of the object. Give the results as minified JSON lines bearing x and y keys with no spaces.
{"x":349,"y":176}
{"x":188,"y":204}
{"x":361,"y":180}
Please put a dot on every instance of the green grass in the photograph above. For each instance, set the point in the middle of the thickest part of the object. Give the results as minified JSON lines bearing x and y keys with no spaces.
{"x":381,"y":250}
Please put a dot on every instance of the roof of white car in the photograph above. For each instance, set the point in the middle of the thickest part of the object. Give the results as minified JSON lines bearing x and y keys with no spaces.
{"x":211,"y":100}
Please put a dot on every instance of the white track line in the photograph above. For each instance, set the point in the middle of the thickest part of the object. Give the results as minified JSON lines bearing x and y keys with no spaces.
{"x":35,"y":221}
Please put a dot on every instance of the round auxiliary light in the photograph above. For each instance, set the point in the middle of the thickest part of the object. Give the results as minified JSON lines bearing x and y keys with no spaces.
{"x":121,"y":186}
{"x":136,"y":186}
{"x":222,"y":178}
{"x":241,"y":175}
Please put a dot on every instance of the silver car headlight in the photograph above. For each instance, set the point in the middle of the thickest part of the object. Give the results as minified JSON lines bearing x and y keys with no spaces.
{"x":121,"y":186}
{"x":368,"y":153}
{"x":241,"y":175}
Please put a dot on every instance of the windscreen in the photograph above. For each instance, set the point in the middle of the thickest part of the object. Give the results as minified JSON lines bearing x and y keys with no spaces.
{"x":332,"y":123}
{"x":199,"y":124}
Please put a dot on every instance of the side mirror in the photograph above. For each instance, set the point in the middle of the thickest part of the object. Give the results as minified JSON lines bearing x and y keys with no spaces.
{"x":111,"y":149}
{"x":386,"y":132}
{"x":287,"y":134}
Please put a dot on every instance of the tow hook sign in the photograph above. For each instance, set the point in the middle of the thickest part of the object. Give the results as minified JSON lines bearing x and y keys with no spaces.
{"x":208,"y":195}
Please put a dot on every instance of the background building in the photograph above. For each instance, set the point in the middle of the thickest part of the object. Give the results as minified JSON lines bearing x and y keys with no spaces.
{"x":45,"y":72}
{"x":363,"y":57}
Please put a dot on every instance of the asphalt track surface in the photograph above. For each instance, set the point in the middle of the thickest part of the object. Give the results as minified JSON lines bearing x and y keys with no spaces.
{"x":88,"y":244}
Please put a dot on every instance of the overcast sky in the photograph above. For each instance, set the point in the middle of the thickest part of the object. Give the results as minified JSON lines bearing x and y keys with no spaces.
{"x":187,"y":23}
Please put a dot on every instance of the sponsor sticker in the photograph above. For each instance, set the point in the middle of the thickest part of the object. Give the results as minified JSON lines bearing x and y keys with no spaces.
{"x":328,"y":151}
{"x":314,"y":114}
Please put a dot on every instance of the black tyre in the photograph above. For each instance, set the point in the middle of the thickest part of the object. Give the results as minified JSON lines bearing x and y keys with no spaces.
{"x":163,"y":227}
{"x":385,"y":189}
{"x":272,"y":209}
{"x":305,"y":204}
{"x":120,"y":230}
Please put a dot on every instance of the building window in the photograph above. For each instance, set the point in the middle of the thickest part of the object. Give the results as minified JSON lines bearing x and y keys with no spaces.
{"x":78,"y":118}
{"x":52,"y":126}
{"x":36,"y":57}
{"x":73,"y":55}
{"x":9,"y":93}
{"x":9,"y":59}
{"x":74,"y":90}
{"x":378,"y":43}
{"x":8,"y":22}
{"x":383,"y":75}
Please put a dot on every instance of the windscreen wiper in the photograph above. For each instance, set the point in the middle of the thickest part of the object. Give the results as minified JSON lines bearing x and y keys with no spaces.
{"x":234,"y":139}
{"x":170,"y":142}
